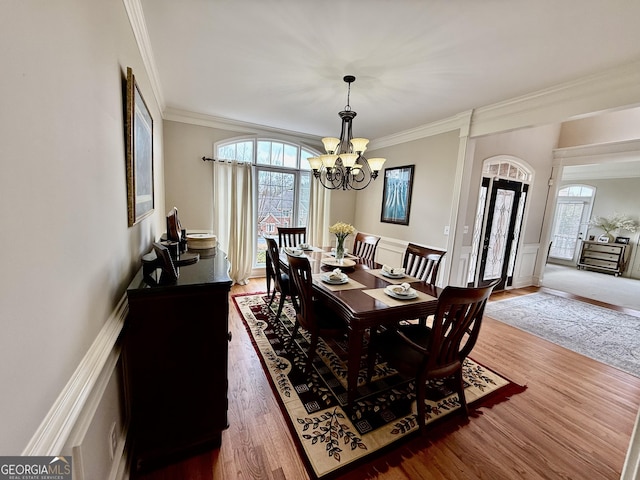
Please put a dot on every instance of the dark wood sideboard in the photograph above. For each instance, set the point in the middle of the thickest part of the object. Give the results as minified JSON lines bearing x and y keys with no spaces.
{"x":175,"y":349}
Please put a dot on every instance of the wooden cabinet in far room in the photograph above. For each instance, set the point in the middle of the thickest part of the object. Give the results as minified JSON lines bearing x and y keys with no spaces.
{"x":604,"y":257}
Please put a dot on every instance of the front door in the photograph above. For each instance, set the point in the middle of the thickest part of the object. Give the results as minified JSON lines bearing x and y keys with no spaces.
{"x":504,"y":211}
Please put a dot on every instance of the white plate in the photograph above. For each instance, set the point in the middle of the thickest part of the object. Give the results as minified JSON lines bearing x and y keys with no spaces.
{"x":334,"y":263}
{"x":409,"y":296}
{"x":393,"y":275}
{"x":295,"y":253}
{"x":326,"y":279}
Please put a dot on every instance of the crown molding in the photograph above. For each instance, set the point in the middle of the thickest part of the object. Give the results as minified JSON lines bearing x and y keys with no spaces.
{"x":614,"y":88}
{"x":457,"y":122}
{"x":201,"y":119}
{"x":591,"y":154}
{"x":141,"y":34}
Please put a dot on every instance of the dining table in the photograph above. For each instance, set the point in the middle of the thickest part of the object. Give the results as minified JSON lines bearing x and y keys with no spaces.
{"x":362,"y":301}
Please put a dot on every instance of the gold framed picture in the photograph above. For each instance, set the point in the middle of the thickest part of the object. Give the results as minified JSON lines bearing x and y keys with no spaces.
{"x":139,"y":153}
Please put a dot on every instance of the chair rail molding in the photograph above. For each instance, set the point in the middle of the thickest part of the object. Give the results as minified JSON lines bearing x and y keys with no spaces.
{"x":82,"y":391}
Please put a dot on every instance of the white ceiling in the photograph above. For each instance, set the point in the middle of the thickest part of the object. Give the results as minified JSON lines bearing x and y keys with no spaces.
{"x":280,"y":63}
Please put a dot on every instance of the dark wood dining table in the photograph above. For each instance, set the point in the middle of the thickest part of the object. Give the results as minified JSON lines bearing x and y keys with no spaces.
{"x":363,"y":304}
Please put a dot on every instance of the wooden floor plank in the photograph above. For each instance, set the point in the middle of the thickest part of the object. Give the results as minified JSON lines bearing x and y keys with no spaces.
{"x":574,"y":421}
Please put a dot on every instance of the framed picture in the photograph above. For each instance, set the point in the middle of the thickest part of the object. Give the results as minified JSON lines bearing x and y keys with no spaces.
{"x":624,"y":240}
{"x":604,"y":238}
{"x":396,"y":196}
{"x":139,"y":151}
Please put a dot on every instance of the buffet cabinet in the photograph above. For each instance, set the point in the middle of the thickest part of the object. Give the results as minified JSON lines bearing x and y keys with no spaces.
{"x":604,"y":257}
{"x":175,"y":348}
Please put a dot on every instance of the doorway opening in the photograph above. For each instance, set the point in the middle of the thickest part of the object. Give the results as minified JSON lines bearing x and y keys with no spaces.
{"x":498,"y":223}
{"x":570,"y":224}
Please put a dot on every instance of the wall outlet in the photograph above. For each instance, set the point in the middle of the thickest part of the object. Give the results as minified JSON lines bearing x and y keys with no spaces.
{"x":466,"y":229}
{"x":446,"y":229}
{"x":112,"y":441}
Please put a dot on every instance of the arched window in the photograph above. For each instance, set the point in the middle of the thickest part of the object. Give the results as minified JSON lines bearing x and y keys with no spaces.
{"x":281,"y":186}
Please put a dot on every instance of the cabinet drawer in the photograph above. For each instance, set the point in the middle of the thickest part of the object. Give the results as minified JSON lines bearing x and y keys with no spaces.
{"x":603,"y":248}
{"x":600,"y":256}
{"x":600,"y":263}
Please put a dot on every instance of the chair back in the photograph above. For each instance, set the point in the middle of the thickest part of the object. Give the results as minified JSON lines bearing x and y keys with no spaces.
{"x":273,"y":258}
{"x":292,"y":236}
{"x":422,"y":262}
{"x":300,"y":274}
{"x":364,"y":246}
{"x":455,"y":328}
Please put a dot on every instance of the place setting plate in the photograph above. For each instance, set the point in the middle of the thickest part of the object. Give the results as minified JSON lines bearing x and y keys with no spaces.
{"x":338,"y":281}
{"x":295,"y":252}
{"x":396,"y":293}
{"x":331,"y":261}
{"x":392,"y":275}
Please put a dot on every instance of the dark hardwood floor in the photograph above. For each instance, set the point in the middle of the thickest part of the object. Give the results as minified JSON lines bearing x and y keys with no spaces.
{"x":574,"y":421}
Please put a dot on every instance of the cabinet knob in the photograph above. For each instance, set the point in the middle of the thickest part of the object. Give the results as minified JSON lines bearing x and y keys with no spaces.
{"x":229,"y":336}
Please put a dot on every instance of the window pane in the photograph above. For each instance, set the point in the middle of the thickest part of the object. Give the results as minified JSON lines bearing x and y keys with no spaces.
{"x":263,"y":156}
{"x":303,"y":205}
{"x":245,"y":152}
{"x":227,"y":152}
{"x":304,"y":164}
{"x":291,"y":156}
{"x":240,"y":151}
{"x":277,"y":152}
{"x":275,"y":201}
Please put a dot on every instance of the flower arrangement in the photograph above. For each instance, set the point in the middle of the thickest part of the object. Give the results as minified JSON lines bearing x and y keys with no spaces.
{"x":341,"y":230}
{"x":613,"y":223}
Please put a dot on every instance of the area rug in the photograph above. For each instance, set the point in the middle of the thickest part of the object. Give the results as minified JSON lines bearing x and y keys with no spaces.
{"x":605,"y":335}
{"x":330,"y":440}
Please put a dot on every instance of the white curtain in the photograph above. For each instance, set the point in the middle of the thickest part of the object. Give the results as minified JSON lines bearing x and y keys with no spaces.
{"x":319,"y":210}
{"x":234,"y":217}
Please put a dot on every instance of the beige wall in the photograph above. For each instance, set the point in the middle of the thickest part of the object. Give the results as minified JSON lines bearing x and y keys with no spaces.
{"x":435,"y":160}
{"x":615,"y":126}
{"x":67,"y":253}
{"x":535,"y":147}
{"x":189,"y":184}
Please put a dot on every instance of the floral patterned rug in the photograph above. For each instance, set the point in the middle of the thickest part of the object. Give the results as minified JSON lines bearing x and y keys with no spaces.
{"x":332,"y":440}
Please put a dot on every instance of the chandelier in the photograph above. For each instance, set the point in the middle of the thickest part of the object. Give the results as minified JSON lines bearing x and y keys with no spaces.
{"x":344,"y":165}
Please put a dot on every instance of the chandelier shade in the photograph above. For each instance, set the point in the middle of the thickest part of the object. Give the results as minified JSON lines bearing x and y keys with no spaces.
{"x":344,"y":165}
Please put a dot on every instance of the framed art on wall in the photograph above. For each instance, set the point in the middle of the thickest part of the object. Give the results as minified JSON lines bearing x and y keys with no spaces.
{"x":139,"y":152}
{"x":396,"y":196}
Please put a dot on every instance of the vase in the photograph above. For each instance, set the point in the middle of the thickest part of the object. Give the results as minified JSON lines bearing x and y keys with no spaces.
{"x":340,"y":250}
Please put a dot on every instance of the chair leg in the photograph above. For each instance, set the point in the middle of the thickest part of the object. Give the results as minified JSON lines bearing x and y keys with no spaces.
{"x":421,"y":387}
{"x":460,"y":390}
{"x":268,"y":284}
{"x":273,"y":296}
{"x":283,"y":297}
{"x":312,"y":351}
{"x":293,"y":334}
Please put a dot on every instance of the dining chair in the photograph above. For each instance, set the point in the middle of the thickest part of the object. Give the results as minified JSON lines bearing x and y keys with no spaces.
{"x":364,"y":246}
{"x":311,"y":314}
{"x":422,"y":262}
{"x":292,"y":236}
{"x":281,"y":279}
{"x":436,"y":352}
